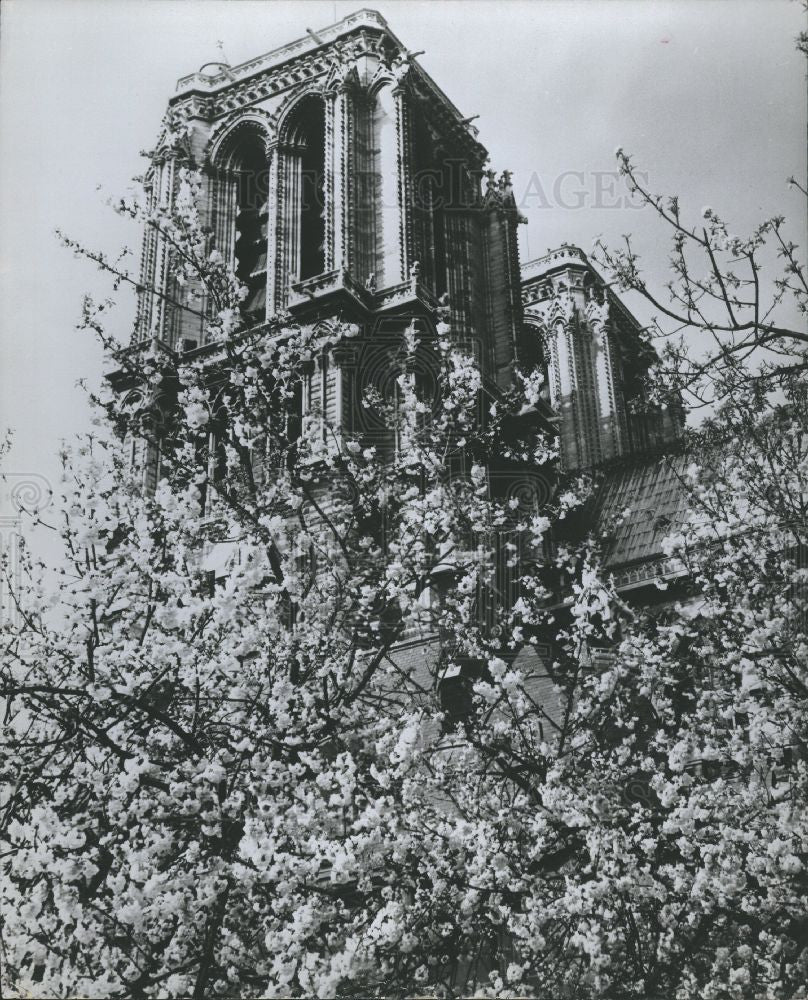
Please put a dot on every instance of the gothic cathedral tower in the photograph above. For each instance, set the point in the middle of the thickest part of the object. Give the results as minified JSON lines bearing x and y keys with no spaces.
{"x":343,"y":185}
{"x":596,"y":359}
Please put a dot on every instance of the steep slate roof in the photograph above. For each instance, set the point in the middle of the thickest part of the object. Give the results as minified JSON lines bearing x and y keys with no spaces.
{"x":642,"y":501}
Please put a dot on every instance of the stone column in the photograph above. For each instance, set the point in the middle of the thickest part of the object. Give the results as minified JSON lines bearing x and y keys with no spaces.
{"x":330,"y":185}
{"x":611,"y":425}
{"x":273,"y":209}
{"x":404,"y":156}
{"x":310,"y":429}
{"x":164,"y":196}
{"x":287,"y":236}
{"x":563,"y":360}
{"x":148,"y":256}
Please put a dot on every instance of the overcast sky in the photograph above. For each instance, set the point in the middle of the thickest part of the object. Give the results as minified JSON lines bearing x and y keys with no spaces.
{"x":708,"y":95}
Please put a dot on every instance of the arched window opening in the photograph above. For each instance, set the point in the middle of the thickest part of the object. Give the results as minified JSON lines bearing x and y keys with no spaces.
{"x":251,"y":177}
{"x":439,"y":232}
{"x":133,"y":442}
{"x":305,"y":189}
{"x":531,"y":356}
{"x":143,"y":436}
{"x":432,"y":190}
{"x":312,"y":208}
{"x":593,"y":289}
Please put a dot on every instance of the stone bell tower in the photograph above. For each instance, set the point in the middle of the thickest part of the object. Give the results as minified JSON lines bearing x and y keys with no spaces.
{"x":595,"y":360}
{"x":343,"y":184}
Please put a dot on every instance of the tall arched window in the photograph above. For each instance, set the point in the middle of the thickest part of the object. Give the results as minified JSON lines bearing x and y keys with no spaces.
{"x":434,"y":193}
{"x":440,"y":204}
{"x":304,"y":189}
{"x":532,"y":356}
{"x":143,"y":429}
{"x":251,"y":229}
{"x":241,"y":222}
{"x":133,"y":443}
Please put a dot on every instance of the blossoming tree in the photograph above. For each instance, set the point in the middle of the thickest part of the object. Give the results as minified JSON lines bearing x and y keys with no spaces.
{"x":720,"y":320}
{"x":231,"y":784}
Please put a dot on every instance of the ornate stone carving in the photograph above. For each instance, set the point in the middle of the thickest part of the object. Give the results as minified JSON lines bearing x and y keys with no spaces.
{"x":263,"y":122}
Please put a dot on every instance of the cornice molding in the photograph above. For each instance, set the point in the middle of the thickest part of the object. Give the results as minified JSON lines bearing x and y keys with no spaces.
{"x":338,"y":60}
{"x":353,"y":24}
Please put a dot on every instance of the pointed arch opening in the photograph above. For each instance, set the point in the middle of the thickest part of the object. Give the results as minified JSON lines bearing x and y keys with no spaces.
{"x":437,"y":191}
{"x":303,"y":138}
{"x":241,"y":223}
{"x":532,"y":355}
